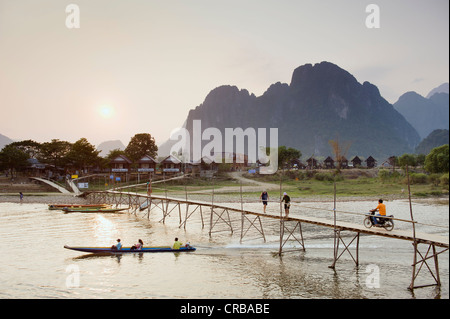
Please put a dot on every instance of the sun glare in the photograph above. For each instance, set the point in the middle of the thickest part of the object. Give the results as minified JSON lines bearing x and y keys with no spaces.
{"x":106,"y":111}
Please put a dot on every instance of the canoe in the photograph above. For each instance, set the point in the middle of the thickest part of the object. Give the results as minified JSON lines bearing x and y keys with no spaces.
{"x":62,"y":206}
{"x":108,"y":250}
{"x":93,"y":210}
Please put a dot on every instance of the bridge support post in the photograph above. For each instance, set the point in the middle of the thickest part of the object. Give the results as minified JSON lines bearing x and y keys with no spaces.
{"x":252,"y":223}
{"x":188,"y":215}
{"x":346,"y":248}
{"x":149,"y":206}
{"x":420,"y":260}
{"x":227,"y":221}
{"x":166,"y":211}
{"x":291,"y":233}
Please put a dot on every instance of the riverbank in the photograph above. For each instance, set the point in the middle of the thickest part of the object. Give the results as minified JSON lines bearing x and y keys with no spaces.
{"x":363,"y":185}
{"x":42,"y":198}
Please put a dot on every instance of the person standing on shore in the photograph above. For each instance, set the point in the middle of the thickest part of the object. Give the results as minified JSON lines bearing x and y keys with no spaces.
{"x":21,"y":197}
{"x":264,"y":197}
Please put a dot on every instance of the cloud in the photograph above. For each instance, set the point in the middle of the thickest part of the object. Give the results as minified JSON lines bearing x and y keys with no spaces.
{"x":418,"y":80}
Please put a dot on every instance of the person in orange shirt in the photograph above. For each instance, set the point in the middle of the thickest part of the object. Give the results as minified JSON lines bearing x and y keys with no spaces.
{"x":381,"y":208}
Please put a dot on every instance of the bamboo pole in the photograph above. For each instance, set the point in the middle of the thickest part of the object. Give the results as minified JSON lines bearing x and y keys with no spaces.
{"x":187,"y":206}
{"x":212,"y":208}
{"x":436,"y":265}
{"x":336,"y":240}
{"x":415,"y":244}
{"x":201,"y":215}
{"x":242,"y":213}
{"x":281,"y":217}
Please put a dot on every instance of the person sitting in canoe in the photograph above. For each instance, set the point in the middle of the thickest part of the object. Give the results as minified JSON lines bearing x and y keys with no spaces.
{"x":138,"y":246}
{"x":117,"y":246}
{"x":177,"y":244}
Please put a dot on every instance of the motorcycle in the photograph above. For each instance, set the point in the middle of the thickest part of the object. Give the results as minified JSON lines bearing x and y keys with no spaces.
{"x":386,"y":223}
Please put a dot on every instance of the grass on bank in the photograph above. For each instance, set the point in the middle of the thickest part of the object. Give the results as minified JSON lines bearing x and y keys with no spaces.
{"x":364,"y":183}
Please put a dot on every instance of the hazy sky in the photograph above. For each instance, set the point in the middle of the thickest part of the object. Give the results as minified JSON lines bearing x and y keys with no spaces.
{"x":140,"y":65}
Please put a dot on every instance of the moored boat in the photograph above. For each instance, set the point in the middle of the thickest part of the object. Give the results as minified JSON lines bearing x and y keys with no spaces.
{"x":62,"y":206}
{"x":109,"y":250}
{"x":93,"y":210}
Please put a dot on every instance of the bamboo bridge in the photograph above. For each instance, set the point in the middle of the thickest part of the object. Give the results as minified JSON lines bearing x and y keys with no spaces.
{"x":214,"y":214}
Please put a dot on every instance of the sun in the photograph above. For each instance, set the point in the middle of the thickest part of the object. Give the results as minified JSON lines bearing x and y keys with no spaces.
{"x":106,"y":111}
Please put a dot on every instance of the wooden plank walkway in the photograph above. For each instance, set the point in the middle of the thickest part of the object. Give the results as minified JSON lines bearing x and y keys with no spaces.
{"x":432,"y":239}
{"x":437,"y":240}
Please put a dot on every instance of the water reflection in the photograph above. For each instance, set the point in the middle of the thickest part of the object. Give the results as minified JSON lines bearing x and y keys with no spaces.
{"x":105,"y":231}
{"x":117,"y":256}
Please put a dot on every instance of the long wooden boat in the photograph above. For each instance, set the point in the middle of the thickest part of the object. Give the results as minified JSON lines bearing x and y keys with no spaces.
{"x":108,"y":250}
{"x":62,"y":206}
{"x":93,"y":210}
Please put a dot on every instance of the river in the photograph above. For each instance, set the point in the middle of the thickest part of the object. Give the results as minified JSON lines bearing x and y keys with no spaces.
{"x":34,"y":263}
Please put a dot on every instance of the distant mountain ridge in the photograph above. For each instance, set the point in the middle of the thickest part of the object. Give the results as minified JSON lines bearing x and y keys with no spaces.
{"x":425,"y":114}
{"x":4,"y":140}
{"x":435,"y":139}
{"x":443,"y":88}
{"x":323,"y":102}
{"x":107,"y":146}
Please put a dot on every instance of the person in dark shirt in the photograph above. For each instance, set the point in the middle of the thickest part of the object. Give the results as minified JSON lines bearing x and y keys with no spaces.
{"x":287,"y":203}
{"x":264,"y":197}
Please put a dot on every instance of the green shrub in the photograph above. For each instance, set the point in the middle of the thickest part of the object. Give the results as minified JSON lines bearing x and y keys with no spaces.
{"x":388,"y":176}
{"x":384,"y":175}
{"x":418,"y":178}
{"x":326,"y":177}
{"x":444,"y":180}
{"x":434,"y":179}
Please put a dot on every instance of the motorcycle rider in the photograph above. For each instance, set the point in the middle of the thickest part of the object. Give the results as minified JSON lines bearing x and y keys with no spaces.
{"x":381,"y":208}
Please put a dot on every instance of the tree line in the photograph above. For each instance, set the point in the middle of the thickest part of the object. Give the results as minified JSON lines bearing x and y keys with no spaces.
{"x":437,"y":161}
{"x":64,"y":155}
{"x":82,"y":155}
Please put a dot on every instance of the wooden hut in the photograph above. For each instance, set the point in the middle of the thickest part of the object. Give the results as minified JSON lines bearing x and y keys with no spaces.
{"x":297,"y":164}
{"x":208,"y":164}
{"x":329,"y":162}
{"x":312,"y":163}
{"x":170,"y":165}
{"x":120,"y":164}
{"x":35,"y":167}
{"x":343,"y":162}
{"x":371,"y":162}
{"x":356,"y":161}
{"x":146,"y":164}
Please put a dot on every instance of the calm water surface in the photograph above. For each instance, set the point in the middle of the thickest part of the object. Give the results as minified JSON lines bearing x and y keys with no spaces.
{"x":34,"y":263}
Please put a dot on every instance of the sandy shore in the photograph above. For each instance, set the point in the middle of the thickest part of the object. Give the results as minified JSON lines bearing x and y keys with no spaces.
{"x":43,"y":198}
